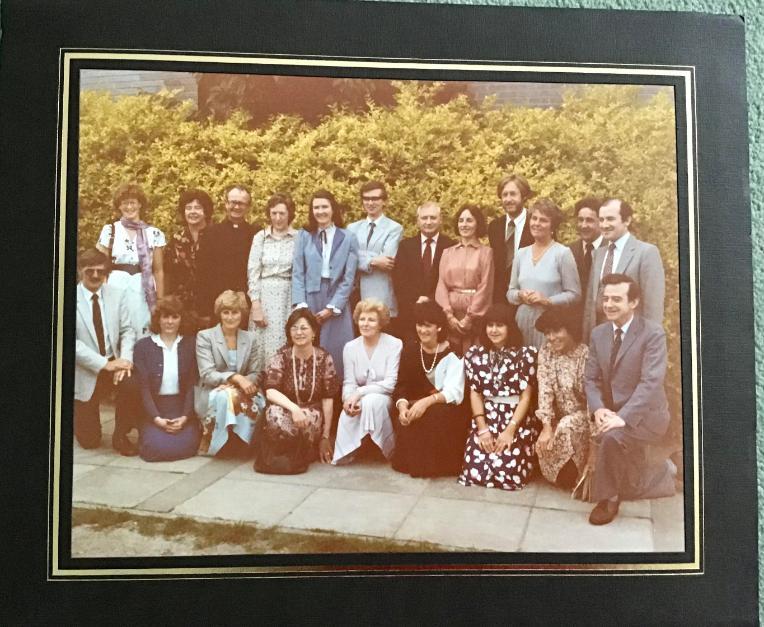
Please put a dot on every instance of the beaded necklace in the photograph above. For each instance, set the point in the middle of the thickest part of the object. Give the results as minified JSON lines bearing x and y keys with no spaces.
{"x":294,"y":378}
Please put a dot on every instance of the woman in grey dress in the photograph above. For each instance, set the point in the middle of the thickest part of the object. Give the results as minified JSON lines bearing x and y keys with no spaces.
{"x":544,"y":274}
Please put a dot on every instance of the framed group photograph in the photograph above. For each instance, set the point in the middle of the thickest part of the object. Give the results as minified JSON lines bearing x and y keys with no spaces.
{"x":503,"y":253}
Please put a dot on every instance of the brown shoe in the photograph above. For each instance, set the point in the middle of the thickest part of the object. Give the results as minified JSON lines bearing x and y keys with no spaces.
{"x":604,"y":512}
{"x":123,"y":445}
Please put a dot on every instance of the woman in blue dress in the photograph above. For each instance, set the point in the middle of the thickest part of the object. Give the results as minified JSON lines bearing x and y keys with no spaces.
{"x":325,"y":262}
{"x":165,"y":365}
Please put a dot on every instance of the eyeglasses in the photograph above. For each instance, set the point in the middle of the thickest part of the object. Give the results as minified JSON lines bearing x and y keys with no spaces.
{"x":371,"y":198}
{"x":303,"y":329}
{"x":238,"y":203}
{"x":94,"y":272}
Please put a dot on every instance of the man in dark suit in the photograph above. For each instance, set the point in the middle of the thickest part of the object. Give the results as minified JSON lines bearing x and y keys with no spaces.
{"x":221,"y":261}
{"x":625,"y":254}
{"x":509,"y":232}
{"x":623,"y":381}
{"x":589,"y":236}
{"x":415,"y":273}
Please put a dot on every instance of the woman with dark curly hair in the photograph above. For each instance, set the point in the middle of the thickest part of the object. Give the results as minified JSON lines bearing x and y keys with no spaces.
{"x":194,"y":214}
{"x":501,"y":374}
{"x":165,"y":365}
{"x":135,"y":249}
{"x":465,"y":283}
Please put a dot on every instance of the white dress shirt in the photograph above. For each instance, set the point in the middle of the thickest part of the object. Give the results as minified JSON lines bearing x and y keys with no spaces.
{"x":87,"y":295}
{"x":327,"y":249}
{"x":519,"y":226}
{"x":619,"y":244}
{"x":423,"y":244}
{"x":170,"y":378}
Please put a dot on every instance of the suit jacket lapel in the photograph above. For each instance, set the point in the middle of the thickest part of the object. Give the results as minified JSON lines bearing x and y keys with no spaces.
{"x":315,"y":238}
{"x":628,"y":252}
{"x":242,"y":348}
{"x":220,"y":343}
{"x":635,"y":328}
{"x":85,"y":310}
{"x":339,"y":236}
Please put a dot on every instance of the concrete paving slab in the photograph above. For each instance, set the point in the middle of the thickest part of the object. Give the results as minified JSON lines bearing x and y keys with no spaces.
{"x":668,"y":523}
{"x":375,"y":477}
{"x":557,"y":531}
{"x":318,"y":475}
{"x":93,"y":456}
{"x":551,"y":497}
{"x":470,"y":525}
{"x":120,"y":487}
{"x":351,"y":511}
{"x":181,"y":465}
{"x":448,"y":488}
{"x":229,"y":499}
{"x":80,"y":469}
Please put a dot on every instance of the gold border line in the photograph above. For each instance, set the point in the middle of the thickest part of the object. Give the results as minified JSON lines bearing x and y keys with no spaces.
{"x":693,"y":567}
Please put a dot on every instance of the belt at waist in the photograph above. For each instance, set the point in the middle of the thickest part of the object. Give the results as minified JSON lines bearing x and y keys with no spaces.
{"x":130,"y":268}
{"x":464,"y":291}
{"x":514,"y":399}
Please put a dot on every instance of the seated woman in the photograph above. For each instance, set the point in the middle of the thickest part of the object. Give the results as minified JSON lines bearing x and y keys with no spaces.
{"x":165,"y":366}
{"x":563,"y":445}
{"x":371,"y":370}
{"x":432,"y":422}
{"x":299,"y":382}
{"x":501,"y":375}
{"x":228,"y":371}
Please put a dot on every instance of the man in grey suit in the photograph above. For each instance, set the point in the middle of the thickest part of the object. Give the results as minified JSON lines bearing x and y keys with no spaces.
{"x":623,"y":382}
{"x":624,"y":254}
{"x":103,"y":353}
{"x":378,"y":238}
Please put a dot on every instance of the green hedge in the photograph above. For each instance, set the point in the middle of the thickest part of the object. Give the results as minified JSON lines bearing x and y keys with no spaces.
{"x":604,"y":140}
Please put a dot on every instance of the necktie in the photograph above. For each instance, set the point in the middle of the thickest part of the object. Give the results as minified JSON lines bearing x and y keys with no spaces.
{"x":427,"y":256}
{"x":509,"y":242}
{"x":616,"y":347}
{"x":323,"y":240}
{"x":98,"y":324}
{"x":588,"y":247}
{"x":608,"y":269}
{"x":371,"y":232}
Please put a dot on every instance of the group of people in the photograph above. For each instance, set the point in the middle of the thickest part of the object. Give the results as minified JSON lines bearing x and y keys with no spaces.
{"x":454,"y":358}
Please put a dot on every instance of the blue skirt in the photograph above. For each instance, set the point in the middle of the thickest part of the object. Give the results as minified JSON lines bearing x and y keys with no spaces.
{"x":156,"y":445}
{"x":337,"y":330}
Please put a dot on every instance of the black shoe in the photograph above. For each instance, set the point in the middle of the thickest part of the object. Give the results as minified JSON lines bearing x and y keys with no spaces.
{"x":604,"y":512}
{"x":123,"y":445}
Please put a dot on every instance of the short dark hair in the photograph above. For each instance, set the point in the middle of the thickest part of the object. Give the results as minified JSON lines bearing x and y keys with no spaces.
{"x":302,"y":312}
{"x":518,"y":179}
{"x":280,"y":199}
{"x":556,"y":318}
{"x":372,"y":185}
{"x":239,"y":186}
{"x":624,"y":208}
{"x":587,"y":202}
{"x":476,"y":212}
{"x":189,"y":195}
{"x":503,"y":314}
{"x":93,"y":257}
{"x":172,"y":305}
{"x":549,"y":208}
{"x":129,"y":190}
{"x":337,"y":210}
{"x":635,"y":293}
{"x":429,"y":312}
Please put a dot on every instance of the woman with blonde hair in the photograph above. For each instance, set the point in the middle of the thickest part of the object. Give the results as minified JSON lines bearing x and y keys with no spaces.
{"x":228,"y":375}
{"x":371,"y":371}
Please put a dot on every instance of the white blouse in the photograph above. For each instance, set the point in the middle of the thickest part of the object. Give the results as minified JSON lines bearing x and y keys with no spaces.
{"x":125,"y":248}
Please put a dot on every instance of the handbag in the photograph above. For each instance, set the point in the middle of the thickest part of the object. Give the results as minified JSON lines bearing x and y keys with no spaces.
{"x":280,"y":453}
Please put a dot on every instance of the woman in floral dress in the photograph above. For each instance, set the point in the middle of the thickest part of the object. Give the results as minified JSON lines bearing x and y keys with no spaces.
{"x":501,"y":374}
{"x":563,"y":445}
{"x":269,"y":276}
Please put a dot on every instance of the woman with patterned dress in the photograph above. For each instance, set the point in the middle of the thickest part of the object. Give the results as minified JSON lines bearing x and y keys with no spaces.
{"x":195,"y":215}
{"x":465,"y":281}
{"x":563,"y":445}
{"x":269,"y":276}
{"x":136,"y":251}
{"x":300,"y":383}
{"x":544,"y":274}
{"x":432,"y":421}
{"x":501,"y":374}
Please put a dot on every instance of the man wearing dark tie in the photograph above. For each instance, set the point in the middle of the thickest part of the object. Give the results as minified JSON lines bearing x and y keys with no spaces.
{"x":509,"y":232}
{"x":103,"y":353}
{"x":415,"y":273}
{"x":623,"y":253}
{"x":623,"y":382}
{"x":589,"y":236}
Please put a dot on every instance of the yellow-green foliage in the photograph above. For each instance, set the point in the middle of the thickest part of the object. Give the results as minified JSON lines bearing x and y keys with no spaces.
{"x":604,"y":140}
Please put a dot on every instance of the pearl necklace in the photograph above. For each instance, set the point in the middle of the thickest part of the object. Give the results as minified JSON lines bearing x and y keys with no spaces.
{"x":294,"y":378}
{"x":434,"y":359}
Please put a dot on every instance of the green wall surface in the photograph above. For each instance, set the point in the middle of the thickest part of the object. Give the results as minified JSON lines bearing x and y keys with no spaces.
{"x":752,"y":12}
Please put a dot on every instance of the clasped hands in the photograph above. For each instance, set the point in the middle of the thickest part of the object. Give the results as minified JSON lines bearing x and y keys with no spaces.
{"x":171,"y":425}
{"x":383,"y":262}
{"x":500,"y":443}
{"x":462,"y":326}
{"x":408,"y":413}
{"x":532,"y":297}
{"x":241,"y":382}
{"x":606,"y":419}
{"x":352,"y":405}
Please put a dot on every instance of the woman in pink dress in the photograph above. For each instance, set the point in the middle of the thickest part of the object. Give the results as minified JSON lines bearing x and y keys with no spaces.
{"x":465,"y":284}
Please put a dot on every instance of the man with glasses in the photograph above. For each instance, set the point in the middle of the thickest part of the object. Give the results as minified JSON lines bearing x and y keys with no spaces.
{"x":378,"y":238}
{"x":221,"y":261}
{"x":103,"y":353}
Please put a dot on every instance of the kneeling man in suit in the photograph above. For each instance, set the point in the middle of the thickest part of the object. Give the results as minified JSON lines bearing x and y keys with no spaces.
{"x":624,"y":389}
{"x":103,"y":353}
